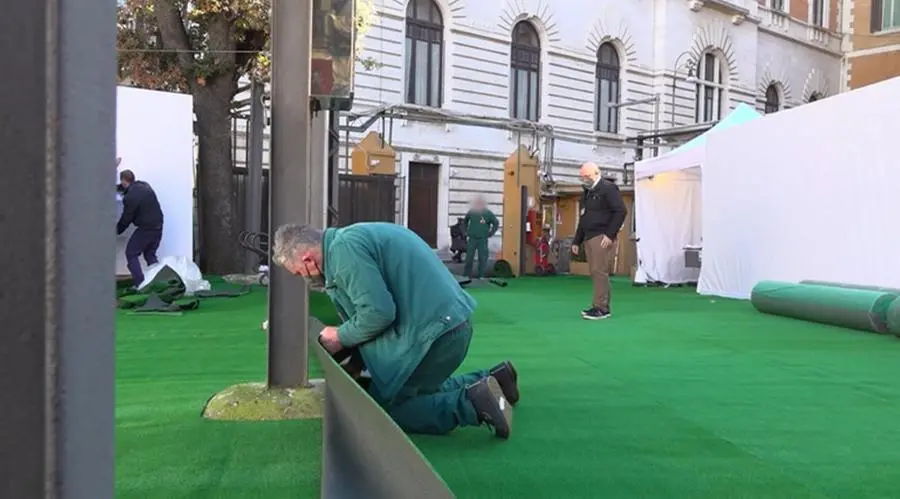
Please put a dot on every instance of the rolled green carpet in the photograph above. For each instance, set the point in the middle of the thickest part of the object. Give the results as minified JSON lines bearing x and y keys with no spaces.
{"x":852,"y":308}
{"x":851,"y":286}
{"x":893,"y":317}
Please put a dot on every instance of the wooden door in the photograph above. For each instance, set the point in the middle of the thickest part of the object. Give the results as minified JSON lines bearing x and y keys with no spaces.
{"x":422,"y":210}
{"x":627,"y":250}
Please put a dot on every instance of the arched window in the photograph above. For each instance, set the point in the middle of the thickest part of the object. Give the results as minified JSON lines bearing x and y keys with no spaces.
{"x":814,"y":97}
{"x":773,"y":100}
{"x":525,"y":72}
{"x":608,"y":92}
{"x":424,"y":54}
{"x":710,"y":89}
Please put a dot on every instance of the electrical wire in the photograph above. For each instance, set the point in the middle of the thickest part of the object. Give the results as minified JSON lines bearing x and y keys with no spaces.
{"x":176,"y":51}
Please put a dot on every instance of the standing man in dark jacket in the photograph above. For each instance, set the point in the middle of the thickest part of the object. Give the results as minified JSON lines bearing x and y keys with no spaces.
{"x":141,"y":208}
{"x":602,"y":215}
{"x":481,"y":224}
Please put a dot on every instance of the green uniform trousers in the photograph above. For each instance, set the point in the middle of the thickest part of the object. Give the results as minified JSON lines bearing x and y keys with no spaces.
{"x":480,"y":245}
{"x":433,"y":401}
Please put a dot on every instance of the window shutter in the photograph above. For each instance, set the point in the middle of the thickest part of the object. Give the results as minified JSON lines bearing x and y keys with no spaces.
{"x":875,"y":23}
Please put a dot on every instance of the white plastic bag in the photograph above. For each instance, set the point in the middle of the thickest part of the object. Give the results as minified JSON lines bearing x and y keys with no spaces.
{"x":180,"y":267}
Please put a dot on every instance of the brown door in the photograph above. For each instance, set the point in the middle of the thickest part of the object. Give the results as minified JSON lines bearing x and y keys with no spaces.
{"x":422,"y":213}
{"x":627,"y":250}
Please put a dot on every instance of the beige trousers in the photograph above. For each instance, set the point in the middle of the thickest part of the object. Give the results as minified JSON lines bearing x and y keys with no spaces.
{"x":598,"y":259}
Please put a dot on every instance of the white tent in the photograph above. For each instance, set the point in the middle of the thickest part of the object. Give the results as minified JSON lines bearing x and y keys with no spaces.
{"x":668,"y":204}
{"x":806,"y":193}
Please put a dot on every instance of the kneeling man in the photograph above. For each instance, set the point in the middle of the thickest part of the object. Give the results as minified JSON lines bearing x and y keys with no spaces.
{"x":409,"y":319}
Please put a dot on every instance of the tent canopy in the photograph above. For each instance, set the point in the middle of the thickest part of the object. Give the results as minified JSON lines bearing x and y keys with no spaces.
{"x":691,"y":153}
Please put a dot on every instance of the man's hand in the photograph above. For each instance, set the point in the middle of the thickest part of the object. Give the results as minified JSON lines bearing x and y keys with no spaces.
{"x":329,"y":339}
{"x":606,"y":242}
{"x":575,"y":249}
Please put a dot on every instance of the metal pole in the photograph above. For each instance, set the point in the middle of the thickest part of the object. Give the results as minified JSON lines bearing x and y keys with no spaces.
{"x":318,"y":161}
{"x":334,"y":150}
{"x":656,"y":117}
{"x":253,"y":201}
{"x":57,"y":148}
{"x":289,"y":186}
{"x":675,"y":82}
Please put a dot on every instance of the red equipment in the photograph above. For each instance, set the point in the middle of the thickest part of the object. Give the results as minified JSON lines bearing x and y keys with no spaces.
{"x":542,"y":265}
{"x":531,"y":222}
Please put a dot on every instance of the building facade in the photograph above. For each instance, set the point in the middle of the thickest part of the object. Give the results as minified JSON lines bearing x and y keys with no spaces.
{"x":871,"y":41}
{"x":597,"y":72}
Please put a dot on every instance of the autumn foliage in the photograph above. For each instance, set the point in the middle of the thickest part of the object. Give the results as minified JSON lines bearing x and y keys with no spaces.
{"x":204,"y":47}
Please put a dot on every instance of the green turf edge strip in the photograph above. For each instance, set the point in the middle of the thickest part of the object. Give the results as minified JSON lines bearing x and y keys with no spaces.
{"x":364,"y":453}
{"x":851,"y":286}
{"x":847,"y":307}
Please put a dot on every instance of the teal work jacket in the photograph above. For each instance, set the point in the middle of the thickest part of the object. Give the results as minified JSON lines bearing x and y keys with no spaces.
{"x":395,"y":297}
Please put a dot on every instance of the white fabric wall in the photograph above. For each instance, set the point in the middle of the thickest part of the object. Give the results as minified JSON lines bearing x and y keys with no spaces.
{"x":668,"y":218}
{"x":808,"y":193}
{"x":155,"y":139}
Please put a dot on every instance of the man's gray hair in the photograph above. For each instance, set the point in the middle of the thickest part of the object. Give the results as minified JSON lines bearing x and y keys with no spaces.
{"x":291,"y":239}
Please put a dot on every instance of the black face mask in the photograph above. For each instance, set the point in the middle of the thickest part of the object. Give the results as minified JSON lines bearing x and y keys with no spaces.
{"x":317,"y":282}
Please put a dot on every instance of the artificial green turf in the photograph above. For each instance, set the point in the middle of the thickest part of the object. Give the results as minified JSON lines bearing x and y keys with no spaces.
{"x":676,"y":395}
{"x":167,"y":367}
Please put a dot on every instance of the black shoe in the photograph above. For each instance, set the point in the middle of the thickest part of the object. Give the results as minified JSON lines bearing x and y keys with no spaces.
{"x":508,"y":379}
{"x":595,"y":314}
{"x":492,"y":407}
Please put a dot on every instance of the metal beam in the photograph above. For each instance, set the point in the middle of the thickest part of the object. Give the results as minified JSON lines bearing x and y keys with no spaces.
{"x":357,"y":438}
{"x":334,"y":155}
{"x":57,"y":116}
{"x":318,"y":163}
{"x":253,"y":201}
{"x":289,"y":186}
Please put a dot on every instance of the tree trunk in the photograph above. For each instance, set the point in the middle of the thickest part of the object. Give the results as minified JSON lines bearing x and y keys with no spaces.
{"x":218,"y":234}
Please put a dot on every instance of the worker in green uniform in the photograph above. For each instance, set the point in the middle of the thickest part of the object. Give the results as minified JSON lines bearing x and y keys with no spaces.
{"x":408,"y":318}
{"x":481,"y":224}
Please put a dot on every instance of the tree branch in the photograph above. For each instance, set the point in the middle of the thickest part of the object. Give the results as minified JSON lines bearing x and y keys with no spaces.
{"x":173,"y":33}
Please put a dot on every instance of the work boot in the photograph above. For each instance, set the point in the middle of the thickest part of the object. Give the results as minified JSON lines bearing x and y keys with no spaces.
{"x":508,"y":379}
{"x":491,"y":406}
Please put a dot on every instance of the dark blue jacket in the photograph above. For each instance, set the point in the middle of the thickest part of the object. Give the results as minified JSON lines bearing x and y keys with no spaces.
{"x":141,"y":208}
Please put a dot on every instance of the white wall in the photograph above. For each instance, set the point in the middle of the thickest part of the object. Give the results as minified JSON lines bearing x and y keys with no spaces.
{"x":650,"y":35}
{"x":817,"y":202}
{"x":799,"y":69}
{"x":758,"y":49}
{"x":154,"y":138}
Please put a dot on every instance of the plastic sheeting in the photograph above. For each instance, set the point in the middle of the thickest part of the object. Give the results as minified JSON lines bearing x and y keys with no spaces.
{"x":176,"y":267}
{"x":852,"y":308}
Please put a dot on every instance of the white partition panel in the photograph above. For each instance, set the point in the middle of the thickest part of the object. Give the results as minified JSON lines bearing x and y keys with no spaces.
{"x":154,"y":138}
{"x":808,"y":193}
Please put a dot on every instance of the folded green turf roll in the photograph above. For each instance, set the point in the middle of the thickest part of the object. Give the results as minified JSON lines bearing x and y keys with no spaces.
{"x":862,"y":309}
{"x":893,"y":317}
{"x":850,"y":286}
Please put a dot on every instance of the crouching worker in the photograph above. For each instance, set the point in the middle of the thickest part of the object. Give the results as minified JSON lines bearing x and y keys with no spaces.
{"x":409,"y":319}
